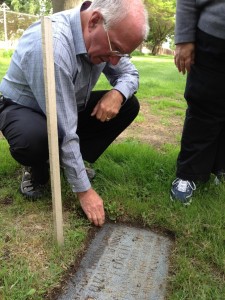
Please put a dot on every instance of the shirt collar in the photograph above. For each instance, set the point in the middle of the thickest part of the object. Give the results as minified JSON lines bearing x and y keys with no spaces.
{"x":76,"y":28}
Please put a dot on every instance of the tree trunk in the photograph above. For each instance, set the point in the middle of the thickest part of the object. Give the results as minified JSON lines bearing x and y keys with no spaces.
{"x":155,"y":49}
{"x":59,"y":5}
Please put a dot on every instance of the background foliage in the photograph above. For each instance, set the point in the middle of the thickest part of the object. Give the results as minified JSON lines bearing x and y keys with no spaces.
{"x":162,"y":22}
{"x":33,"y":7}
{"x":161,"y":17}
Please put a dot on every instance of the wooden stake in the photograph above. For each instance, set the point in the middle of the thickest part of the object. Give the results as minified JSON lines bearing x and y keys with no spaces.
{"x":50,"y":95}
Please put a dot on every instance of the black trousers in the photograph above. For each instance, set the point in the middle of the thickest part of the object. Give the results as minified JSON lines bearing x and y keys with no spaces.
{"x":203,"y":138}
{"x":26,"y":133}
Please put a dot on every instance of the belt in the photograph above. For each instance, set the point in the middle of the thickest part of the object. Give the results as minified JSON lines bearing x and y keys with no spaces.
{"x":2,"y":103}
{"x":4,"y":108}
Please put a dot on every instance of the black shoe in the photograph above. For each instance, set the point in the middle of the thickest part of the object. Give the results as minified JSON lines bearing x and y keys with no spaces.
{"x":220,"y":177}
{"x":90,"y":173}
{"x":28,"y":187}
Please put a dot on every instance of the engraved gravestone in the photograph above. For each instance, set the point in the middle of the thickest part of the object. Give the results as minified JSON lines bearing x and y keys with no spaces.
{"x":122,"y":263}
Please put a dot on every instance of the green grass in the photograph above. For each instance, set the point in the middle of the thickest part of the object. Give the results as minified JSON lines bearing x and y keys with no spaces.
{"x":158,"y":78}
{"x":160,"y":85}
{"x":134,"y":180}
{"x":4,"y":62}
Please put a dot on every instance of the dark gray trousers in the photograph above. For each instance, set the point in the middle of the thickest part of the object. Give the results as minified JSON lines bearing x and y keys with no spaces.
{"x":203,"y":139}
{"x":26,"y":132}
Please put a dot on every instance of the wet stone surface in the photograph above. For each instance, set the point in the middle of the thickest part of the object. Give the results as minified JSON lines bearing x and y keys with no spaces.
{"x":122,"y":263}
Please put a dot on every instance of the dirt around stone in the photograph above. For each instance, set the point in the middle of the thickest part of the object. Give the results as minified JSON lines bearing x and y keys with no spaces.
{"x":152,"y":130}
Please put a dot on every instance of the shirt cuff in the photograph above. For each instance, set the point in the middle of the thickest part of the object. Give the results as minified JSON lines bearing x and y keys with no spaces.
{"x":123,"y":90}
{"x":81,"y":184}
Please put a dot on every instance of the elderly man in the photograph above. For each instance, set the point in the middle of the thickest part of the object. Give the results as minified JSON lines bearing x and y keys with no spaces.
{"x":88,"y":40}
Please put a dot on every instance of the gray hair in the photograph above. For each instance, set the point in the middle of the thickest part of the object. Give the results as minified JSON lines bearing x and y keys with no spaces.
{"x":114,"y":11}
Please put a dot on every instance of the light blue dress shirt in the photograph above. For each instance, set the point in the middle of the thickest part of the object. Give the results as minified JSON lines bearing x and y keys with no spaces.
{"x":75,"y":77}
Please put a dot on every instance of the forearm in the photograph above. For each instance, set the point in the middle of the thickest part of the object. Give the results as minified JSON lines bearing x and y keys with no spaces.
{"x":123,"y":77}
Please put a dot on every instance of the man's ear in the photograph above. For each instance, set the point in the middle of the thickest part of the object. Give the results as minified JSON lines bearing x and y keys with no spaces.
{"x":95,"y":19}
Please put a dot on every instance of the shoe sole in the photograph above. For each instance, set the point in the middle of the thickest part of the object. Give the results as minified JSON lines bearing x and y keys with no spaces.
{"x":29,"y":197}
{"x":184,"y":203}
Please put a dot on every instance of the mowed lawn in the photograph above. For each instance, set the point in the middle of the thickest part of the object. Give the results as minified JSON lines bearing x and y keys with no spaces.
{"x":134,"y":180}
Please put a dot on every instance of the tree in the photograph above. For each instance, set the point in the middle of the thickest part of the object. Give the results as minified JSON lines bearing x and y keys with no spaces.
{"x":22,"y":13}
{"x":162,"y":22}
{"x":59,"y":5}
{"x":36,"y":7}
{"x":32,"y":7}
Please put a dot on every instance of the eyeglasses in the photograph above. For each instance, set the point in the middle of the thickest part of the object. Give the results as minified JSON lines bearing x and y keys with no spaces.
{"x":114,"y":52}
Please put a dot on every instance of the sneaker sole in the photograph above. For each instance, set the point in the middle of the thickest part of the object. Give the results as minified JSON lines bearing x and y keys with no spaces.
{"x":29,"y":197}
{"x":184,"y":203}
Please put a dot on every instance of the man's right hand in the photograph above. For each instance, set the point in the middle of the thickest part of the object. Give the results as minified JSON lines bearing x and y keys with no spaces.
{"x":92,"y":205}
{"x":184,"y":56}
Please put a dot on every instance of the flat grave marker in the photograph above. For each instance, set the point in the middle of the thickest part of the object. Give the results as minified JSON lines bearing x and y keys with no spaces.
{"x":121,"y":263}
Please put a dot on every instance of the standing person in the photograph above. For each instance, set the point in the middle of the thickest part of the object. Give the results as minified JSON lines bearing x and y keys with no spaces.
{"x":87,"y":41}
{"x":200,"y":50}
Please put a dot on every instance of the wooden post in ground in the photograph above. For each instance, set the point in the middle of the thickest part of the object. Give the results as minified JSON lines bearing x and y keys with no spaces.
{"x":50,"y":95}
